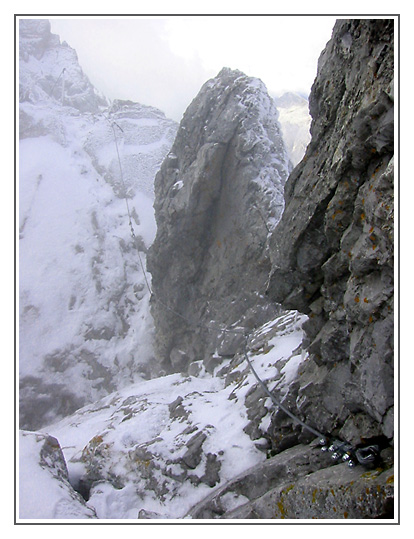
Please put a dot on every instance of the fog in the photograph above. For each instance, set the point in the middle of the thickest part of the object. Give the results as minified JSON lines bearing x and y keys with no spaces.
{"x":163,"y":61}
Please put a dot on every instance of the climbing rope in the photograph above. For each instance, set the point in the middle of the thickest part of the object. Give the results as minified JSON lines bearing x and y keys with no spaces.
{"x":367,"y":456}
{"x":340,"y":450}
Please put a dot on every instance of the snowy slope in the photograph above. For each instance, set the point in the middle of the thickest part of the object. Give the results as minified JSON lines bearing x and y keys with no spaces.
{"x":44,"y":488}
{"x":295,"y":120}
{"x":85,"y":328}
{"x":134,"y":447}
{"x":157,"y":447}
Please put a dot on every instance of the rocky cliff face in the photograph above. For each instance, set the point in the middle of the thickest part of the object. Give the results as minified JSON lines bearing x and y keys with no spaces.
{"x":332,"y":252}
{"x":331,"y":259}
{"x":218,"y":196}
{"x":85,"y":328}
{"x":208,"y":442}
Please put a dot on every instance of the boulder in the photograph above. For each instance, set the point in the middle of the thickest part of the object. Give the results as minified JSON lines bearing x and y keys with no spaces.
{"x":301,"y":483}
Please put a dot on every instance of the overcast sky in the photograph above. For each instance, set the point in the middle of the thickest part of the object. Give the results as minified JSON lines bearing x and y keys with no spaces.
{"x":163,"y":62}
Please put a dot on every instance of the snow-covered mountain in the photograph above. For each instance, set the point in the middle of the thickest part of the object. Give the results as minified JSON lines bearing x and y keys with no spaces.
{"x":235,"y":432}
{"x":85,"y":329}
{"x":295,"y":120}
{"x":132,"y":447}
{"x":49,"y":69}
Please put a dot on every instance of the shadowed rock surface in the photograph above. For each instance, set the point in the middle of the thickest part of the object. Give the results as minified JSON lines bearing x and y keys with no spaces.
{"x":218,"y":195}
{"x":332,"y":252}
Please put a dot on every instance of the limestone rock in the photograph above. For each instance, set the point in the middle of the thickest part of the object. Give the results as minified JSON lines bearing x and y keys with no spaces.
{"x":45,"y":491}
{"x":332,"y":251}
{"x":301,"y":483}
{"x":218,"y":195}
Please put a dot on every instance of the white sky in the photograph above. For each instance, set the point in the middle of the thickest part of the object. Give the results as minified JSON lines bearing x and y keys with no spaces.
{"x":163,"y":62}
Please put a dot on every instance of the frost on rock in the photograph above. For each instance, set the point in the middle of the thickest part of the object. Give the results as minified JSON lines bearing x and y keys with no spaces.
{"x":44,"y":488}
{"x":156,"y":448}
{"x":49,"y":69}
{"x":85,"y":327}
{"x":120,"y":438}
{"x":218,"y":195}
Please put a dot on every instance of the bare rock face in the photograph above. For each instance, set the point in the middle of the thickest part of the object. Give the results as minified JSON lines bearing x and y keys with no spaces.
{"x":301,"y":483}
{"x":332,"y":252}
{"x":218,"y":196}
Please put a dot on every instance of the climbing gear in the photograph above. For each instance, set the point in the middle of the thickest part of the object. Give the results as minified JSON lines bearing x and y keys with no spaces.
{"x":366,"y":456}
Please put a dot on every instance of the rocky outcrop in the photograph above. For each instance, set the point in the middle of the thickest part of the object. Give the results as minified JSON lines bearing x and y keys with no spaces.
{"x":194,"y":444}
{"x":218,"y":196}
{"x":144,"y":136}
{"x":301,"y":483}
{"x":332,"y":252}
{"x":165,"y":444}
{"x":50,"y":69}
{"x":45,"y":491}
{"x":50,"y":76}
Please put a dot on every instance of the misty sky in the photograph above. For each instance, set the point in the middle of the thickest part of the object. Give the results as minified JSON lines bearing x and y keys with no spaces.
{"x":163,"y":62}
